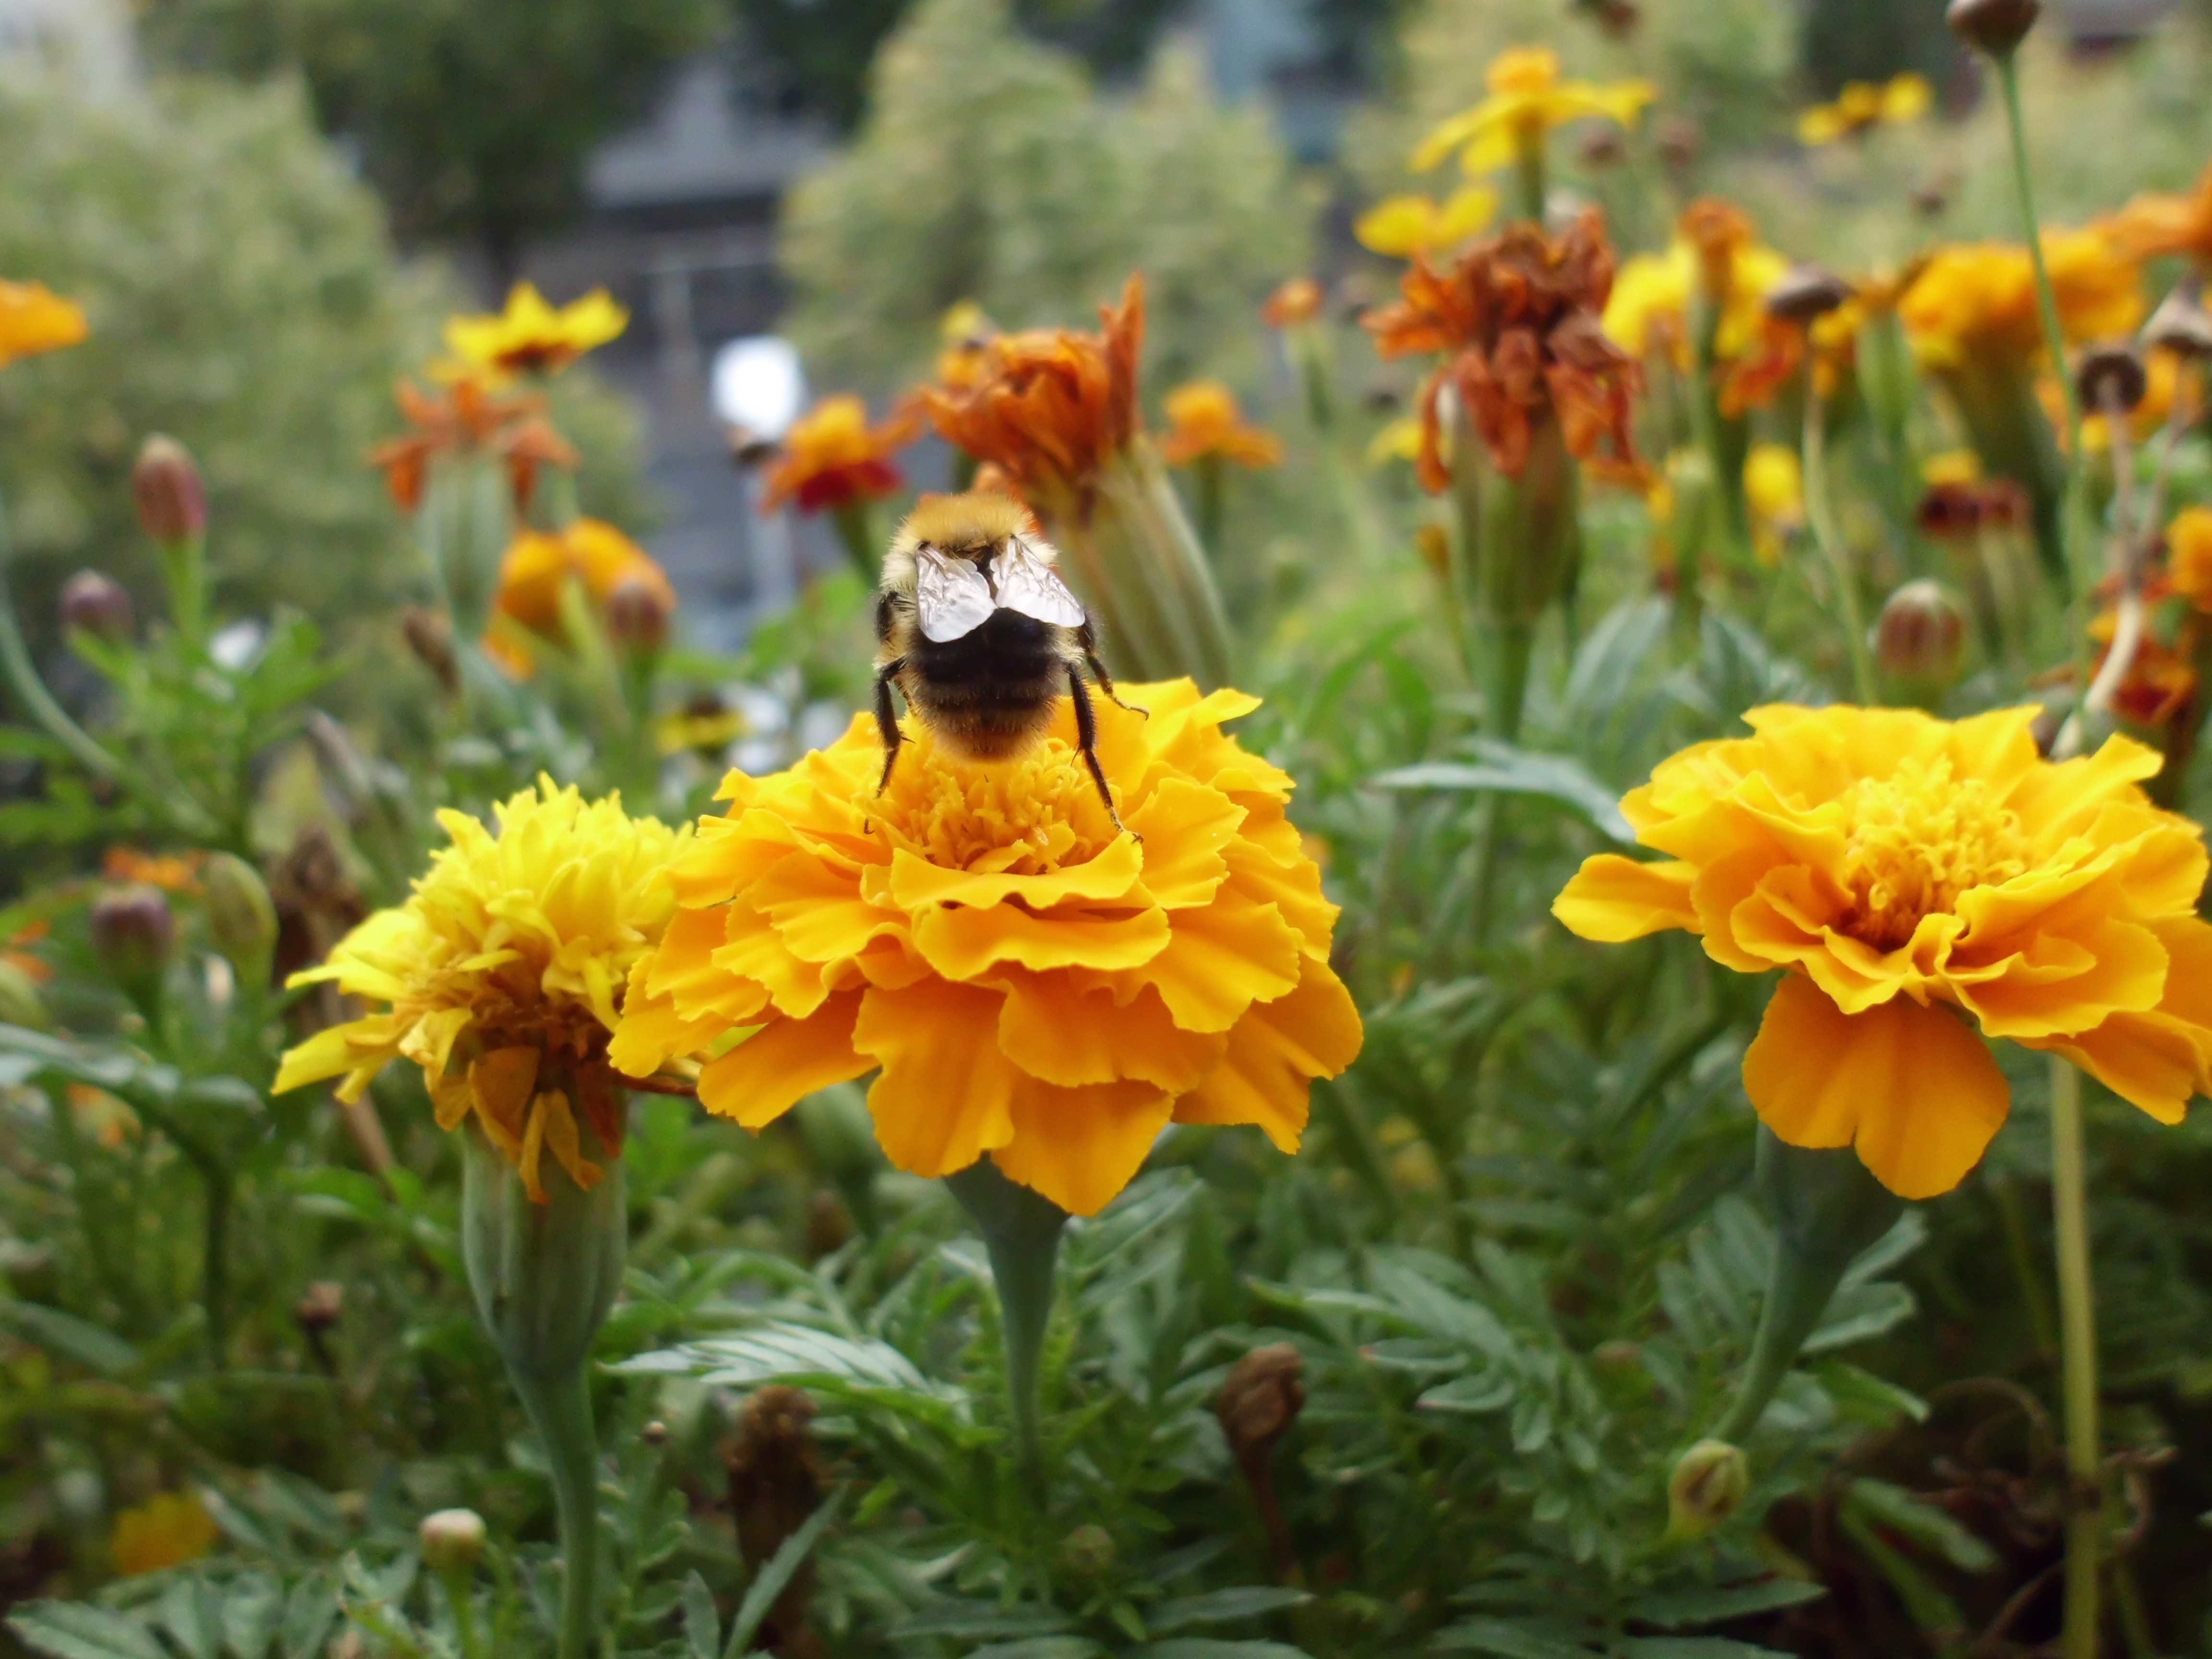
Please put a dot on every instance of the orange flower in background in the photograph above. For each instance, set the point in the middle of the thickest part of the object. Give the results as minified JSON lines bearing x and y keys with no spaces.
{"x":1204,"y":421}
{"x":1515,"y":318}
{"x":16,"y":950}
{"x":35,"y":319}
{"x":2153,"y":225}
{"x":1031,"y":986}
{"x":466,"y":418}
{"x":1716,"y":256}
{"x":1527,"y":99}
{"x":2189,"y":557}
{"x":1294,"y":304}
{"x":1918,"y":878}
{"x":539,"y":564}
{"x":832,"y":457}
{"x":1051,"y":407}
{"x":165,"y":1531}
{"x":1978,"y":299}
{"x":173,"y":873}
{"x":2160,"y":686}
{"x":532,"y":338}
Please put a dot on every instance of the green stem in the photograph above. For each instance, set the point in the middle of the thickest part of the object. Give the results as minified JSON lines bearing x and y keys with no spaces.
{"x":183,"y":564}
{"x":1822,"y":521}
{"x":30,"y":690}
{"x":215,"y":1265}
{"x":460,"y":1597}
{"x":1210,"y":504}
{"x":560,"y":1409}
{"x":2077,"y":1335}
{"x":856,"y":534}
{"x":1529,"y":175}
{"x":1021,"y":1231}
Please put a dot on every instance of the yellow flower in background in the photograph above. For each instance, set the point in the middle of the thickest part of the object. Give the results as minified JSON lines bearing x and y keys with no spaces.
{"x":1918,"y":878}
{"x":2189,"y":556}
{"x":539,"y":564}
{"x":503,"y":973}
{"x":165,"y":1531}
{"x":1774,"y":488}
{"x":1402,"y":226}
{"x":1715,"y":253}
{"x":1527,"y":99}
{"x":1952,"y":467}
{"x":35,"y":319}
{"x":1032,"y":985}
{"x":1862,"y":106}
{"x":1204,"y":421}
{"x":1978,"y":299}
{"x":1398,"y":441}
{"x":964,"y":333}
{"x":532,"y":338}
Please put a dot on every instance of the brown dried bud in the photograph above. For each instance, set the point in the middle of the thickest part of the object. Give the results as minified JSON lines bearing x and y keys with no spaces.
{"x":321,"y":1305}
{"x":1602,"y":147}
{"x":1920,"y":638}
{"x":1931,"y":196}
{"x":637,"y":615}
{"x":1681,"y":141}
{"x":165,"y":485}
{"x":1619,"y":18}
{"x":775,"y":1484}
{"x":1995,"y":26}
{"x":133,"y":931}
{"x":1261,"y":1398}
{"x":2005,"y":504}
{"x":95,"y":604}
{"x":430,"y":637}
{"x":1949,"y":512}
{"x":2181,"y":325}
{"x":1806,"y":294}
{"x":2111,"y":377}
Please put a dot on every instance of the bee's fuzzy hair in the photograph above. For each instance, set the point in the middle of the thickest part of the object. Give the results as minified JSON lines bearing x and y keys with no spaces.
{"x":978,"y":519}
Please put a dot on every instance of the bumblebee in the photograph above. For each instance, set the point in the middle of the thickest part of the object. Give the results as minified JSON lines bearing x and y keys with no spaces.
{"x":979,"y":634}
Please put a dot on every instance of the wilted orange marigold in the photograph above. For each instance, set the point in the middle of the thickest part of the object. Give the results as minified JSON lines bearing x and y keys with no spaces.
{"x":466,"y":417}
{"x":1516,"y":319}
{"x":832,"y":457}
{"x":1918,"y":878}
{"x":1031,"y":986}
{"x":1203,"y":420}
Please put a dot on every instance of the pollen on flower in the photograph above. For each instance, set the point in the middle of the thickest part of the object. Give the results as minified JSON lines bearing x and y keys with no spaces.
{"x":1027,"y":816}
{"x":1917,"y":839}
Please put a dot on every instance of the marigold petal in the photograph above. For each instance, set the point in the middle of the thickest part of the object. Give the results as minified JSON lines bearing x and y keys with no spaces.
{"x":1081,"y":1146}
{"x":946,"y":1092}
{"x":915,"y":884}
{"x":780,"y":1065}
{"x":2058,"y":983}
{"x":1913,"y":1088}
{"x":1274,"y":1053}
{"x":1222,"y":959}
{"x":1612,"y":899}
{"x":503,"y":1081}
{"x":1186,"y":827}
{"x":1062,"y":1032}
{"x":962,"y":942}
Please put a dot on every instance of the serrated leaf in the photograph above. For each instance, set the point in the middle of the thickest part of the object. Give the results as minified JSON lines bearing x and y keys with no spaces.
{"x":703,"y":1624}
{"x":1507,"y":1639}
{"x":1479,"y":1391}
{"x":1221,"y":1607}
{"x":72,"y":1630}
{"x":1695,"y":1647}
{"x":979,"y":1620}
{"x":253,"y":1608}
{"x":1504,"y":769}
{"x":1923,"y":1524}
{"x":309,"y":1612}
{"x":193,"y":1616}
{"x":1199,"y":1647}
{"x":97,"y":1350}
{"x":1043,"y":1647}
{"x":1679,"y":1609}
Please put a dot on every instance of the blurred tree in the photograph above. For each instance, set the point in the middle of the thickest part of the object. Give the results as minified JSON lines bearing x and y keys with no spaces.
{"x":243,"y":297}
{"x":474,"y":117}
{"x":987,"y":169}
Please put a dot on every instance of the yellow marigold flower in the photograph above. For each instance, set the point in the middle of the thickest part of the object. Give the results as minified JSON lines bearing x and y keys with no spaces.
{"x":1916,"y":879}
{"x":1861,"y":106}
{"x":1527,"y":99}
{"x":1400,"y":226}
{"x":1647,"y":313}
{"x":1978,"y":299}
{"x":963,"y":332}
{"x":1033,"y":987}
{"x":34,"y":318}
{"x":537,"y":564}
{"x":165,"y":1531}
{"x":832,"y":457}
{"x":1398,"y":441}
{"x":1951,"y":466}
{"x":532,"y":338}
{"x":1774,"y":488}
{"x":1203,"y":420}
{"x":2153,"y":225}
{"x":503,"y":973}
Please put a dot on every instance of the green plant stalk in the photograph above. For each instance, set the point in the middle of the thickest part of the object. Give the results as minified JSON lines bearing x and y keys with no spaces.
{"x":2077,"y":1339}
{"x":1021,"y":1231}
{"x":1529,"y":175}
{"x":1211,"y":490}
{"x":856,"y":534}
{"x":459,"y":1596}
{"x":1820,"y":516}
{"x":184,"y":568}
{"x":560,"y":1409}
{"x":30,"y":690}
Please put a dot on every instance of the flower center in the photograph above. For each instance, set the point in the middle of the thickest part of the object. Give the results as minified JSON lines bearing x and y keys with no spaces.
{"x":1027,"y":816}
{"x":1918,"y":838}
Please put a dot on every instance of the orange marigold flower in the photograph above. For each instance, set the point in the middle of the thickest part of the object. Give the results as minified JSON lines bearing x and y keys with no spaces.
{"x":1203,"y":420}
{"x":1918,"y":878}
{"x":16,"y":950}
{"x":1031,"y":986}
{"x":539,"y":564}
{"x":1051,"y":406}
{"x":1517,"y":319}
{"x":173,"y":873}
{"x":832,"y":457}
{"x":466,"y":417}
{"x":35,"y":319}
{"x":165,"y":1531}
{"x":2189,"y":556}
{"x":1978,"y":299}
{"x":1297,"y":301}
{"x":532,"y":338}
{"x":2153,"y":224}
{"x":2161,"y":682}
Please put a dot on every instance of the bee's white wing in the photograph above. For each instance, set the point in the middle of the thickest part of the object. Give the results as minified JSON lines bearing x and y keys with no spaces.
{"x":951,"y":596}
{"x":1028,"y":584}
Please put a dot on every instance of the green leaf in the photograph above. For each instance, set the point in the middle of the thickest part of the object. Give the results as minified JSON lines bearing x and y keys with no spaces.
{"x":1478,"y":1392}
{"x":71,"y":1338}
{"x":253,"y":1608}
{"x":1695,"y":1647}
{"x":1923,"y":1524}
{"x":309,"y":1612}
{"x":1199,"y":1647}
{"x":1504,"y":769}
{"x":1045,"y":1647}
{"x":783,"y":1353}
{"x":1507,"y":1639}
{"x":781,"y":1568}
{"x":1221,"y":1606}
{"x":703,"y":1624}
{"x":72,"y":1630}
{"x":193,"y":1616}
{"x":1680,"y":1609}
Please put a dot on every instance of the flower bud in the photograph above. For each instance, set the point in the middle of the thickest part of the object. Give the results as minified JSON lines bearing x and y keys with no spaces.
{"x":1710,"y":1483}
{"x":637,"y":615}
{"x":242,"y":917}
{"x":452,"y":1540}
{"x":19,"y":1003}
{"x":776,"y":1481}
{"x":430,"y":637}
{"x":2112,"y":377}
{"x":1920,"y":637}
{"x":1088,"y":1552}
{"x":165,"y":485}
{"x":95,"y":604}
{"x":1681,"y":141}
{"x":320,"y":1305}
{"x":1602,"y":146}
{"x":1995,"y":26}
{"x":654,"y":1434}
{"x":1261,"y":1398}
{"x":1806,"y":294}
{"x":133,"y":933}
{"x":544,"y":1275}
{"x":2181,"y":325}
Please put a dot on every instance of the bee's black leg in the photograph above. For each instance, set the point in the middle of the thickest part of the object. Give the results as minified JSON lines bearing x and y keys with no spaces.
{"x":1086,"y":739}
{"x":1087,"y":637}
{"x":887,"y":718}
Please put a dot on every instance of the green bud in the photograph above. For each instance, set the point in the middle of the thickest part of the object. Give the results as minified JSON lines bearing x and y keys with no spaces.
{"x":544,"y":1275}
{"x":19,"y":1003}
{"x":1087,"y":1552}
{"x":1710,"y":1483}
{"x":241,"y":916}
{"x":452,"y":1540}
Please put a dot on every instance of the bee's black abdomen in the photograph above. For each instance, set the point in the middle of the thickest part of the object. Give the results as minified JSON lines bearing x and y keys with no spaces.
{"x":993,"y":691}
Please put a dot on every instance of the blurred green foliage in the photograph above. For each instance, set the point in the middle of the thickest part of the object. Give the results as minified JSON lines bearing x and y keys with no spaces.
{"x":989,"y":168}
